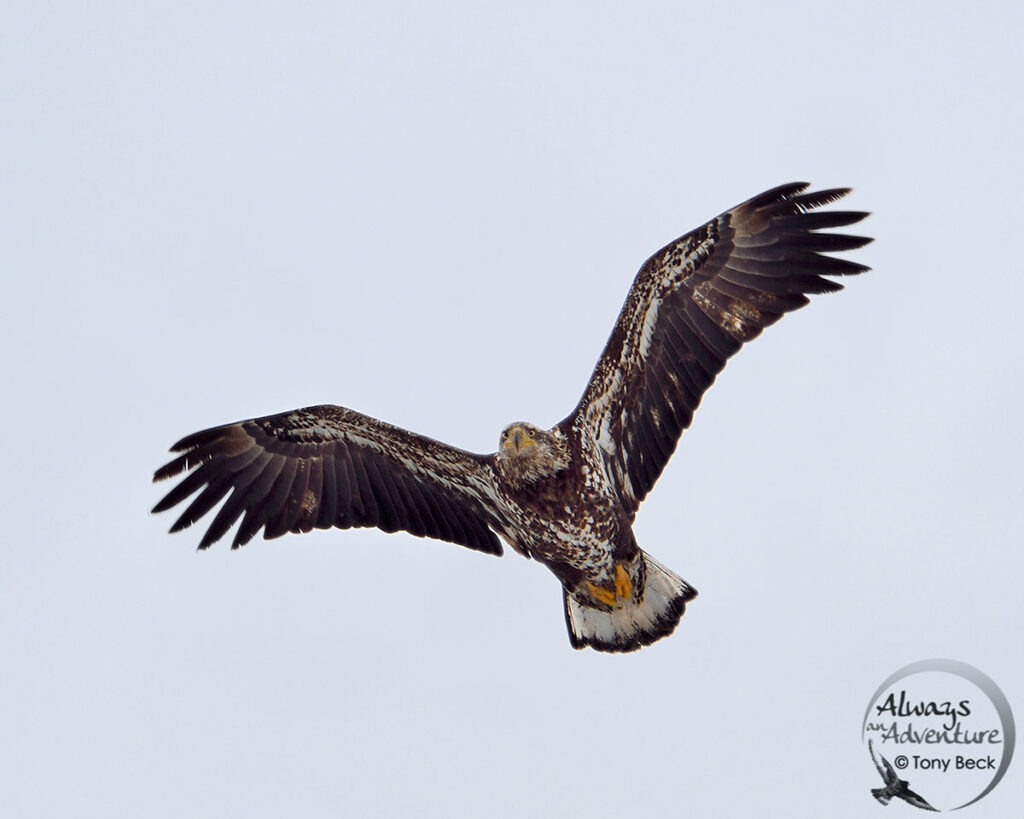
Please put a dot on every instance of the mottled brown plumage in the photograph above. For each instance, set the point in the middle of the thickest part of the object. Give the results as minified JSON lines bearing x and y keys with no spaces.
{"x":566,"y":496}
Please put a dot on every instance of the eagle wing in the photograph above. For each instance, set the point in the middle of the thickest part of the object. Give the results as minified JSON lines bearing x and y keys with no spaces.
{"x":692,"y":306}
{"x":327,"y":466}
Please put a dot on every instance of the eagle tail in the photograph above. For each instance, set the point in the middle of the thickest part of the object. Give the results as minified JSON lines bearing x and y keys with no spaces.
{"x":631,"y":624}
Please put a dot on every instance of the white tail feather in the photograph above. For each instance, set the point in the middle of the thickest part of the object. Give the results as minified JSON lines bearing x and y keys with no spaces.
{"x":629,"y":625}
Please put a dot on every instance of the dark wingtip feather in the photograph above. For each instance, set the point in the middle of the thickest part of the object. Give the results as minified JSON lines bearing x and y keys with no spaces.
{"x":247,"y":529}
{"x":198,"y":439}
{"x":782,"y":193}
{"x":817,"y":199}
{"x":209,"y":538}
{"x":175,"y":467}
{"x":842,"y":267}
{"x":808,"y":241}
{"x":180,"y":524}
{"x":817,"y":220}
{"x":172,"y":499}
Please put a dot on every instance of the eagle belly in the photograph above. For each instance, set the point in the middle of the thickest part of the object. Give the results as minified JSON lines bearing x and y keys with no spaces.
{"x":616,"y":598}
{"x":569,"y":527}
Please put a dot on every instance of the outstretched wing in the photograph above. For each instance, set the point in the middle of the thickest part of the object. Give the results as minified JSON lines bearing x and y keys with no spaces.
{"x":916,"y":800}
{"x":692,"y":305}
{"x":888,"y":774}
{"x":327,"y":466}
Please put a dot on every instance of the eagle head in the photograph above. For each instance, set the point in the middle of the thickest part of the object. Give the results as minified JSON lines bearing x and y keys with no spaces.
{"x":527,"y":454}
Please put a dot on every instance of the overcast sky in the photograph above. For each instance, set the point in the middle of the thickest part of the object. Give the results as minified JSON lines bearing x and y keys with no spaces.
{"x":432,"y":215}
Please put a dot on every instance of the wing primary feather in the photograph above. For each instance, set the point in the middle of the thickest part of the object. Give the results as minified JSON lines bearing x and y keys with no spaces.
{"x":673,"y":398}
{"x":703,"y":356}
{"x":713,"y":336}
{"x":225,"y":441}
{"x":413,"y":522}
{"x":770,"y":303}
{"x":297,"y":495}
{"x":233,"y":462}
{"x":802,"y":222}
{"x":312,"y":498}
{"x":248,"y":528}
{"x":176,"y":466}
{"x":435,"y":525}
{"x":817,"y":199}
{"x":276,"y":504}
{"x":345,"y":483}
{"x":272,"y":485}
{"x":189,"y":485}
{"x":784,"y":192}
{"x":644,"y":473}
{"x":236,"y":503}
{"x":694,"y":375}
{"x":329,"y":492}
{"x":218,"y":487}
{"x":453,"y":515}
{"x":388,"y":519}
{"x":256,"y":501}
{"x":772,"y":287}
{"x":364,"y":491}
{"x":825,"y":242}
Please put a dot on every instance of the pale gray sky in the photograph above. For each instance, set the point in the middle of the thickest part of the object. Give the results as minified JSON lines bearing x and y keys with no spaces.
{"x":432,"y":215}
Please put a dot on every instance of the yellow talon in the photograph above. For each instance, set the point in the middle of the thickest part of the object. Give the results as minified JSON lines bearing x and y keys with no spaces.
{"x":623,"y":585}
{"x":623,"y":588}
{"x":606,"y":596}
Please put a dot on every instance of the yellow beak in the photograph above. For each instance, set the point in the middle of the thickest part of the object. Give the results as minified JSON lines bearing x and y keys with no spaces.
{"x":518,"y":438}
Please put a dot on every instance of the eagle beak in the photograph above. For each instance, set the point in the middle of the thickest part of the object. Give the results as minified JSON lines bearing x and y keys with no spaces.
{"x":518,"y":438}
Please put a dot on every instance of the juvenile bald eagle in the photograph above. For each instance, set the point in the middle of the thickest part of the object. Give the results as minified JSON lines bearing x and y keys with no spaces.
{"x":566,"y":496}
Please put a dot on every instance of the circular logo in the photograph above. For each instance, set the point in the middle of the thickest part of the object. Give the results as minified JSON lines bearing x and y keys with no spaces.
{"x":940,"y":735}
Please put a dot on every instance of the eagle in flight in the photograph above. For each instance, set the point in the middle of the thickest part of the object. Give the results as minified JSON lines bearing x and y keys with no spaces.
{"x":566,"y":496}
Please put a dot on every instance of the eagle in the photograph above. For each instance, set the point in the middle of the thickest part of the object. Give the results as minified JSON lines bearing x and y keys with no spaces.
{"x":565,"y":496}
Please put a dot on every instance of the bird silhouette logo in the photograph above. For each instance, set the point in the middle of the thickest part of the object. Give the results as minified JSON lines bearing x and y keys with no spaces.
{"x":894,"y":786}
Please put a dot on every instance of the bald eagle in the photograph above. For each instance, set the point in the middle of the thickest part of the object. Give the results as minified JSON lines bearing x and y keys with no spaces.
{"x":566,"y":496}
